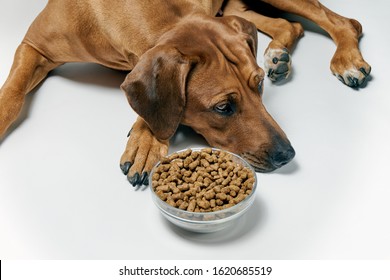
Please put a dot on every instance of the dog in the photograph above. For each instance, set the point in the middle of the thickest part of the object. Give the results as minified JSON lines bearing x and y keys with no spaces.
{"x":190,"y":62}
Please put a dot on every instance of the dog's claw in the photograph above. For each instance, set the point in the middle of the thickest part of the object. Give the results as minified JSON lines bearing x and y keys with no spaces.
{"x":340,"y":78}
{"x":144,"y":178}
{"x":134,"y":180}
{"x":126,"y":167}
{"x":365,"y":73}
{"x":353,"y":82}
{"x":139,"y":180}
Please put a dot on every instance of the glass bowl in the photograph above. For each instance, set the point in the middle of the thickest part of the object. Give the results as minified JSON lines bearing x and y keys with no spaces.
{"x":205,"y":222}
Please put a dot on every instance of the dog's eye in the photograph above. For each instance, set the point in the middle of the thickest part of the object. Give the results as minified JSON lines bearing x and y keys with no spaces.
{"x":225,"y":109}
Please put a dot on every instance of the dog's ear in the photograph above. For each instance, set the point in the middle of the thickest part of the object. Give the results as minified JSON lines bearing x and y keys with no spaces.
{"x":155,"y":89}
{"x":245,"y":27}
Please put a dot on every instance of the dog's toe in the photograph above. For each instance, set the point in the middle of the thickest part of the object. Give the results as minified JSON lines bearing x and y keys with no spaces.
{"x":144,"y":178}
{"x":277,"y":63}
{"x":353,"y":77}
{"x":125,"y":167}
{"x":365,"y":70}
{"x":134,"y":179}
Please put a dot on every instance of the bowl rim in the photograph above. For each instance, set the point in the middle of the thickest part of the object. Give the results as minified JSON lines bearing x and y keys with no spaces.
{"x":229,"y":209}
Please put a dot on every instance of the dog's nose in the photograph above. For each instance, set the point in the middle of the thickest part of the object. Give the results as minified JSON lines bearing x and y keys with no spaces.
{"x":282,"y":156}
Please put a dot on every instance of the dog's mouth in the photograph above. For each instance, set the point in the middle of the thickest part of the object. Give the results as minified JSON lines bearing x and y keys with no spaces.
{"x":260,"y":165}
{"x":270,"y":162}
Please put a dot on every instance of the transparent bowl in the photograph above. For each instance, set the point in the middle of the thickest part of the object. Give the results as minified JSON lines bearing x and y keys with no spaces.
{"x":205,"y":222}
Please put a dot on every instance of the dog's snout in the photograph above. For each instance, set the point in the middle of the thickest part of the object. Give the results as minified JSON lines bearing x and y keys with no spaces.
{"x":282,"y":156}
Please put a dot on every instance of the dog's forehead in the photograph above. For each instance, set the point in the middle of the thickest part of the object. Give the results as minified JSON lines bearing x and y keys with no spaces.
{"x":220,"y":71}
{"x":218,"y":82}
{"x":215,"y":72}
{"x":225,"y":58}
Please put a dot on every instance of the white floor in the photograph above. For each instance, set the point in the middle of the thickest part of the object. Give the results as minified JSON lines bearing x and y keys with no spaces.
{"x":62,"y":194}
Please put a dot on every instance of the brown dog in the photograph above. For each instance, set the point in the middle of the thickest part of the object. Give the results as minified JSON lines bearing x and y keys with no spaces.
{"x":187,"y":66}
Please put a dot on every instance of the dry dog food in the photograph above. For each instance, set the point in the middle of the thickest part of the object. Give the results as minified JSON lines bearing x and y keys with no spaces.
{"x":202,"y":181}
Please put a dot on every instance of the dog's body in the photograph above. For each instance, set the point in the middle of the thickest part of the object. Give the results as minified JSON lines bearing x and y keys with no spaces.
{"x":187,"y":66}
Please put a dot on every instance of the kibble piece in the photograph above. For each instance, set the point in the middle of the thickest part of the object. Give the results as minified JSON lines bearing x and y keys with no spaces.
{"x":239,"y":198}
{"x":191,"y":205}
{"x":175,"y":189}
{"x":164,"y":188}
{"x":162,"y":195}
{"x":156,"y":176}
{"x":203,"y":204}
{"x":185,"y":154}
{"x":207,"y":181}
{"x":179,"y":202}
{"x":184,"y":205}
{"x":177,"y":196}
{"x":209,"y":194}
{"x":226,"y":181}
{"x":173,"y":156}
{"x":195,"y":155}
{"x":187,"y":162}
{"x":171,"y":202}
{"x":225,"y":190}
{"x":219,"y":202}
{"x":221,"y":196}
{"x":183,"y":187}
{"x":204,"y":163}
{"x":235,"y":188}
{"x":193,"y":164}
{"x":233,"y":193}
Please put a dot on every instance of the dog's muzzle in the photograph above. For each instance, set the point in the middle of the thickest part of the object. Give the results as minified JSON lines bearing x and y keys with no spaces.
{"x":270,"y":159}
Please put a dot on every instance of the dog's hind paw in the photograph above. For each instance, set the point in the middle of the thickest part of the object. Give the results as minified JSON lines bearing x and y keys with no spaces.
{"x":277,"y":64}
{"x":142,"y":152}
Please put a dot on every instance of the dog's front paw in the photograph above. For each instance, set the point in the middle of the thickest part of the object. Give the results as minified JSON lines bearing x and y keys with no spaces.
{"x":350,"y":68}
{"x":277,"y":63}
{"x":142,"y":152}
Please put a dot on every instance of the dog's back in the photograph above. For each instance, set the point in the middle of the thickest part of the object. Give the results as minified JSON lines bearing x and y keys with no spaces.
{"x":112,"y":33}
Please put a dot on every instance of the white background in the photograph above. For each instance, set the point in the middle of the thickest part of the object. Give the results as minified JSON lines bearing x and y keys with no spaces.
{"x":62,"y":194}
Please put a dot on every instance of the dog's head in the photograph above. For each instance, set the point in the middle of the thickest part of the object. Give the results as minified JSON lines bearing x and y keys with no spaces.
{"x":204,"y":74}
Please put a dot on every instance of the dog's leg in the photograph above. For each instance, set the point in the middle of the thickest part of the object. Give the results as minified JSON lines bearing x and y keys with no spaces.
{"x":347,"y":63}
{"x":284,"y":34}
{"x":143,"y":151}
{"x":28,"y":69}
